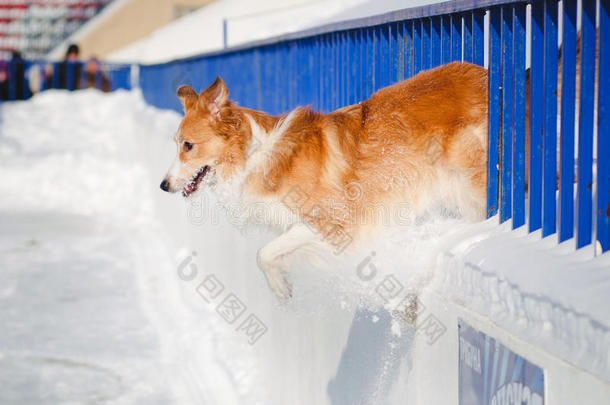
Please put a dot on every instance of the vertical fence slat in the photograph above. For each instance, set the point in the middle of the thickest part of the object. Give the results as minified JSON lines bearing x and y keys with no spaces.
{"x":408,"y":48}
{"x":536,"y":116}
{"x":399,"y":51}
{"x":376,"y":59}
{"x":519,"y":117}
{"x":370,"y":63}
{"x":295,"y":72}
{"x":328,"y":74}
{"x":585,"y":131}
{"x":282,"y":75}
{"x":468,"y":44}
{"x":319,"y":79}
{"x":426,"y":58}
{"x":446,"y":38}
{"x":322,"y":93}
{"x":478,"y":37}
{"x":274,"y":84}
{"x":507,"y":114}
{"x":361,"y":72}
{"x":347,"y":63}
{"x":417,"y":42}
{"x":352,"y":61}
{"x":495,"y":60}
{"x":352,"y":64}
{"x":340,"y":74}
{"x":377,"y":39}
{"x":269,"y":100}
{"x":456,"y":37}
{"x":395,"y":54}
{"x":568,"y":93}
{"x":436,"y":41}
{"x":549,"y":169}
{"x":302,"y":68}
{"x":310,"y":84}
{"x":383,"y":60}
{"x":334,"y":70}
{"x":315,"y":80}
{"x":340,"y":71}
{"x":603,"y":129}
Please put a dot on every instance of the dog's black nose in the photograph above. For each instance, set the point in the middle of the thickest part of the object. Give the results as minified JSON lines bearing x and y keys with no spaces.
{"x":165,"y":185}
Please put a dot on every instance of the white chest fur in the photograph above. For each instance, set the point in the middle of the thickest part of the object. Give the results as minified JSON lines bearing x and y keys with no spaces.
{"x":244,"y":208}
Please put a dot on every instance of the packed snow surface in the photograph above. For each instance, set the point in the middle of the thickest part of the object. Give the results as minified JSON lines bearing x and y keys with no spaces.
{"x":101,"y":297}
{"x":90,"y":304}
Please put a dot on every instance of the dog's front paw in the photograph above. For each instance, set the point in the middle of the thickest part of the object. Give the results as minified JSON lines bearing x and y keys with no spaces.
{"x":275,"y":278}
{"x":280,"y":286}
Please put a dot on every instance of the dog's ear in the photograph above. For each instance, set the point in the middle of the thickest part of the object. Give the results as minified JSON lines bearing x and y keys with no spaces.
{"x":188,"y":97}
{"x":214,"y":97}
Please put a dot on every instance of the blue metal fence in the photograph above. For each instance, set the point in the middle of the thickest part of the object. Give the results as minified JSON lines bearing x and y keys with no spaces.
{"x":341,"y":64}
{"x":18,"y":77}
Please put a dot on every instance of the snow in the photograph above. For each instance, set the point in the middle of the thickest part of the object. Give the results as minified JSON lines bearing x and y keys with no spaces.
{"x":101,"y":296}
{"x":247,"y":21}
{"x":90,"y":305}
{"x":548,"y":294}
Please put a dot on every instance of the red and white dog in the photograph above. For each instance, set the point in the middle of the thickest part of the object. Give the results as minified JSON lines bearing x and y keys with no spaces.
{"x":328,"y":176}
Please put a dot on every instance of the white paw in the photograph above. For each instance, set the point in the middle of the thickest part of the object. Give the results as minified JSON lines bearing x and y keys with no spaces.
{"x":276,"y":279}
{"x":279,"y":285}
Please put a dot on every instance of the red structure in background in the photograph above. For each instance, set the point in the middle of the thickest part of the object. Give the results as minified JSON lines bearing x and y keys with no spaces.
{"x":34,"y":27}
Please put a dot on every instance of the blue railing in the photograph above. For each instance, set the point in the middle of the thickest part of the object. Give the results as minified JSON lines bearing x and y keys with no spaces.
{"x":21,"y":78}
{"x":341,"y":64}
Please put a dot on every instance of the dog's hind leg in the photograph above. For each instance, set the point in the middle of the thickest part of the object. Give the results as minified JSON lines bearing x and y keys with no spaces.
{"x":269,"y":257}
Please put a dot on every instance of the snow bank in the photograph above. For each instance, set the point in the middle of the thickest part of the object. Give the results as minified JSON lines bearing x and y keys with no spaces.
{"x":90,"y":303}
{"x":102,"y":278}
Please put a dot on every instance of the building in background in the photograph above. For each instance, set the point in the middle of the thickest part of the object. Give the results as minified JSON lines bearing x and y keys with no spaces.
{"x":235,"y":22}
{"x":33,"y":27}
{"x":125,"y":22}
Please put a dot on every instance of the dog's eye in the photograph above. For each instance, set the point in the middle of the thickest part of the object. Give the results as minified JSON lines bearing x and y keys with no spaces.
{"x":188,"y":146}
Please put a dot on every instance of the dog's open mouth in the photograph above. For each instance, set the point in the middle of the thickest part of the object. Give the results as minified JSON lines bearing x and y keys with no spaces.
{"x":192,"y":186}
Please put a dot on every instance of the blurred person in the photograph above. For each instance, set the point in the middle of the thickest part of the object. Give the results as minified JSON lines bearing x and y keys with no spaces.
{"x":3,"y":80}
{"x":34,"y":77}
{"x":70,"y":61}
{"x":72,"y":53}
{"x":18,"y":70}
{"x":92,"y":69}
{"x":48,"y":76}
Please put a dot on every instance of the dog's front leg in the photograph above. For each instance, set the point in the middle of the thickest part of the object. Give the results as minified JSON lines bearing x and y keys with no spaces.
{"x":298,"y":236}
